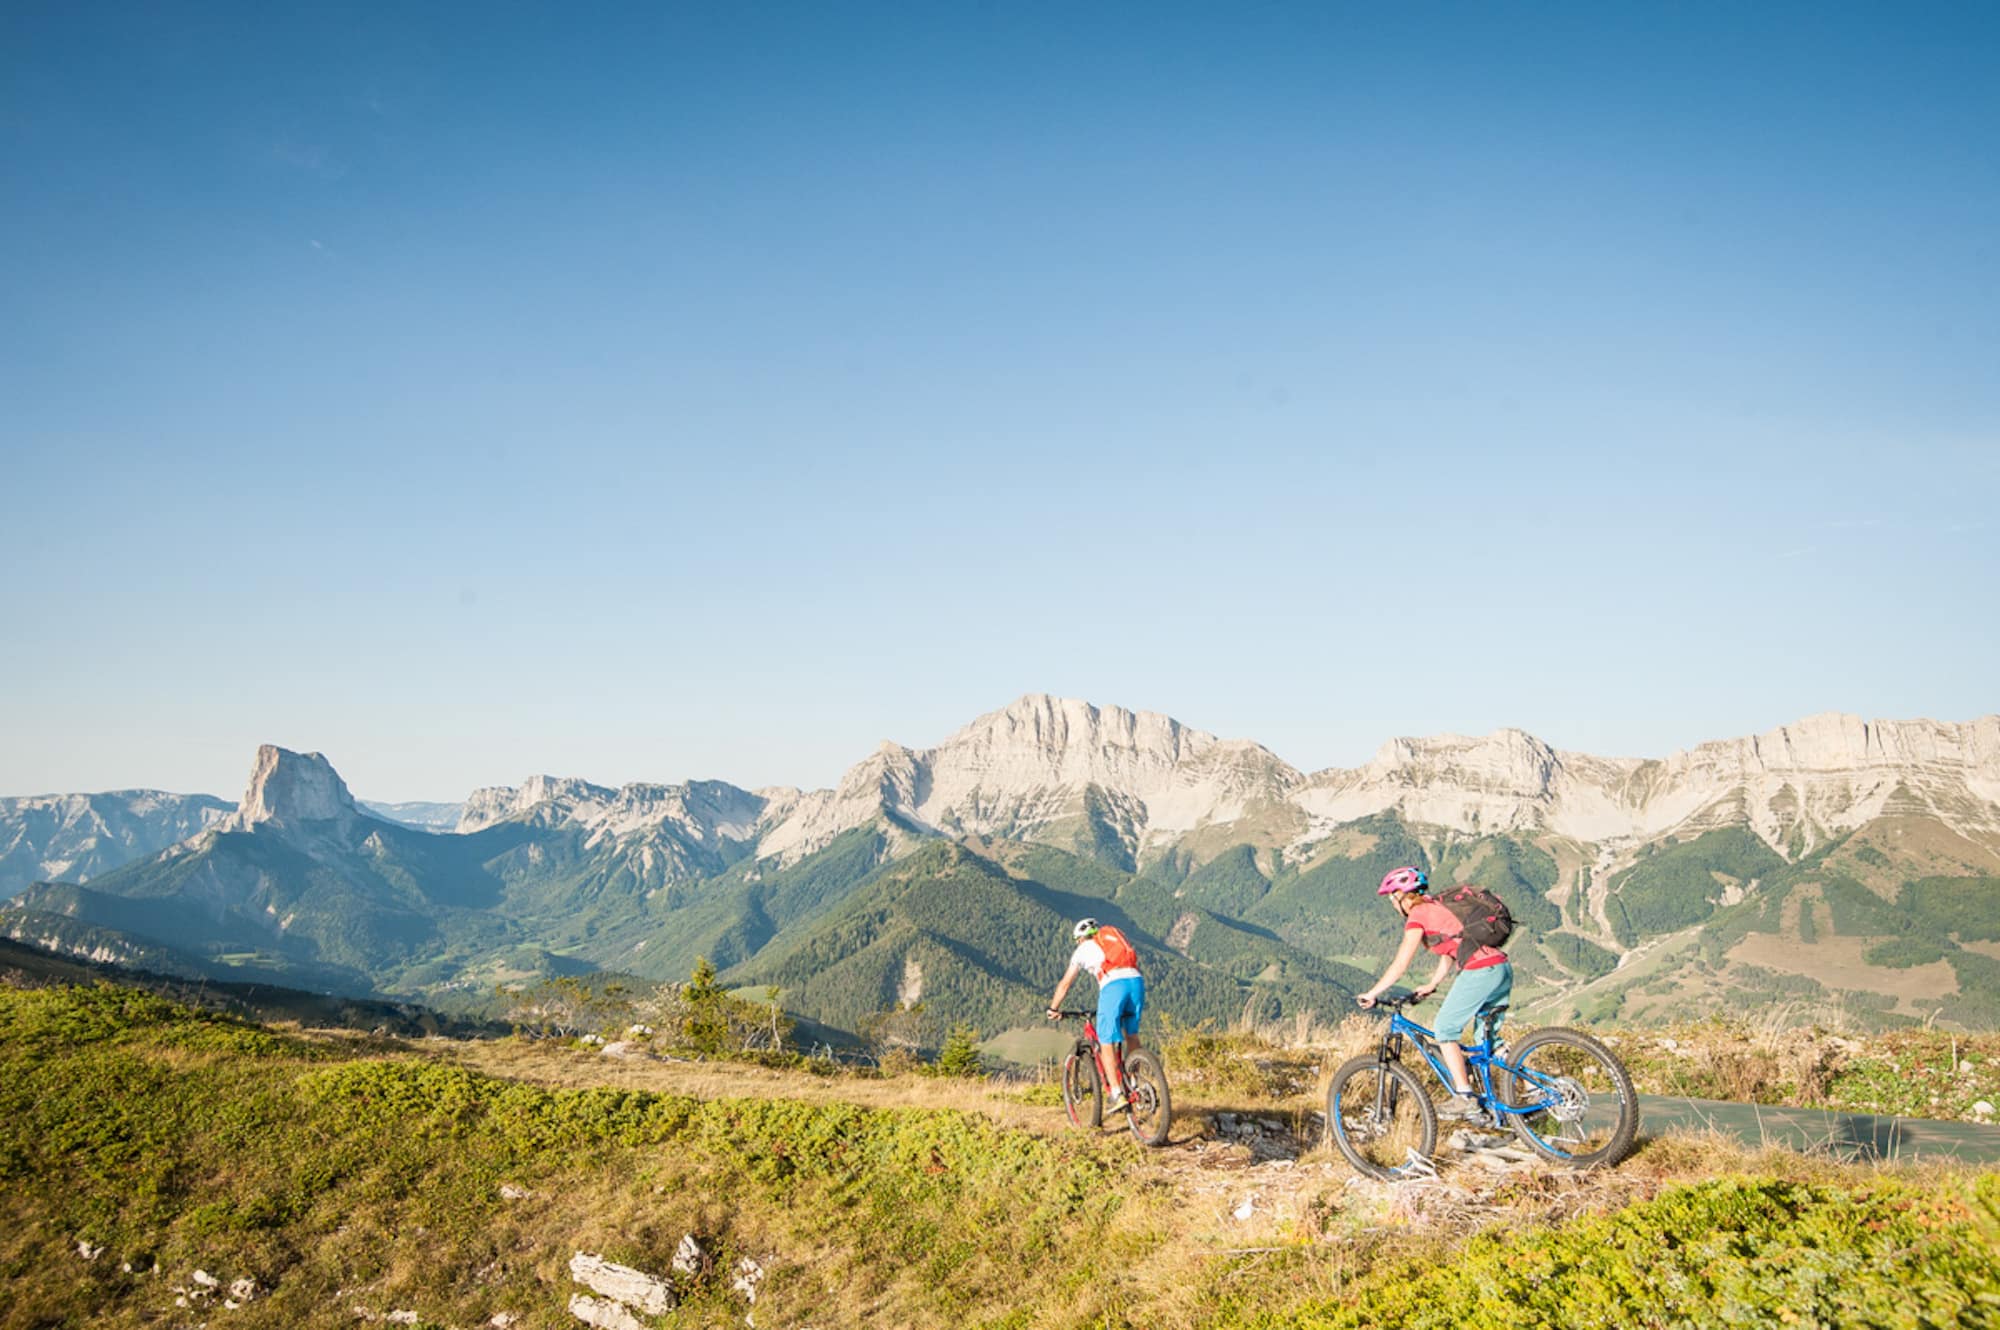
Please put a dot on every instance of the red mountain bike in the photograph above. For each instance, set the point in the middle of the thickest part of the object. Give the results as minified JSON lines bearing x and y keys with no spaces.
{"x":1149,"y":1106}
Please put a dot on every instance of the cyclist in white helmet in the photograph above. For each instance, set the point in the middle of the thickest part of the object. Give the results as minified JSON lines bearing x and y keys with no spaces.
{"x":1121,"y":996}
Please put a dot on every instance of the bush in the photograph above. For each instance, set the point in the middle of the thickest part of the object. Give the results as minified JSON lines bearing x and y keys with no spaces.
{"x":1735,"y":1251}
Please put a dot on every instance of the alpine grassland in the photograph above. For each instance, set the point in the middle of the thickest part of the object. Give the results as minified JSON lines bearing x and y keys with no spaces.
{"x":331,"y":1178}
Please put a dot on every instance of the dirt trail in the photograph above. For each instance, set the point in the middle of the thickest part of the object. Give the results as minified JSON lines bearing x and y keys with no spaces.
{"x":1233,"y":1174}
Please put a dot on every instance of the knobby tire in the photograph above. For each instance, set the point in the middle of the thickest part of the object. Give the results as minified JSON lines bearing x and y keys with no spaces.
{"x":1151,"y":1110}
{"x":1591,"y":1083}
{"x":1083,"y":1091}
{"x":1377,"y":1113}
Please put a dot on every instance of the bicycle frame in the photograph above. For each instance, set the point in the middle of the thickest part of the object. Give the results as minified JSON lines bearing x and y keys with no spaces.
{"x":1479,"y":1061}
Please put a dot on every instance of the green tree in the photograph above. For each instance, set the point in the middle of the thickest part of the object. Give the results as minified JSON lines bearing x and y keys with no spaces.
{"x":705,"y":1018}
{"x":960,"y":1054}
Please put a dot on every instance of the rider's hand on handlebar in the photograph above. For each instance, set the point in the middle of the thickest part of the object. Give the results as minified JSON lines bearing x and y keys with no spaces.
{"x":1423,"y":992}
{"x":1054,"y":1015}
{"x":1364,"y":1000}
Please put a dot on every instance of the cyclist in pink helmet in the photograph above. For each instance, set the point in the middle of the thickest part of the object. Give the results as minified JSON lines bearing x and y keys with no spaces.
{"x":1484,"y":983}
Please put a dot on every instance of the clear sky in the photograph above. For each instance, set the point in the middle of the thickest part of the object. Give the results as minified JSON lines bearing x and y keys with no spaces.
{"x":666,"y":391}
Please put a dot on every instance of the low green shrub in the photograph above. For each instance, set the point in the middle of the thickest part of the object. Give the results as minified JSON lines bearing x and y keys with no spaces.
{"x":1733,"y":1251}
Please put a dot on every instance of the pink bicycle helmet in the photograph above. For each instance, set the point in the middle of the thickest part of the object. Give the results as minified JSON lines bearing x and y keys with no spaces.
{"x":1403,"y":879}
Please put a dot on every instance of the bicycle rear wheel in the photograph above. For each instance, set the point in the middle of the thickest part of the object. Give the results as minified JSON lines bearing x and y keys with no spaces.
{"x":1083,"y":1092}
{"x":1380,"y":1117}
{"x":1586,"y":1114}
{"x":1150,"y":1109}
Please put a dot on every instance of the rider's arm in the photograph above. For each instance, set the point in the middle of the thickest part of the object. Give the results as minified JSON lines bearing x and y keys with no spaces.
{"x":1413,"y":939}
{"x":1437,"y":977}
{"x":1062,"y":989}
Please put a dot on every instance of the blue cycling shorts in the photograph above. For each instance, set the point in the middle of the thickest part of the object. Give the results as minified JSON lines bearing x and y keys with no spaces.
{"x":1118,"y":1006}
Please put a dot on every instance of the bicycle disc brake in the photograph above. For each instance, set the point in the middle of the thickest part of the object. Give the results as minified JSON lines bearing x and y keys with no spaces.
{"x":1569,"y":1101}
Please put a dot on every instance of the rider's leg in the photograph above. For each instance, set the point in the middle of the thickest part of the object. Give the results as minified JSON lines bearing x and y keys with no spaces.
{"x":1470,"y":991}
{"x":1454,"y":1062}
{"x":1111,"y":1057}
{"x":1117,"y":1020}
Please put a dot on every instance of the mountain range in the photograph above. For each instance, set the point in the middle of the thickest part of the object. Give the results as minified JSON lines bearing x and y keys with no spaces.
{"x":1846,"y":866}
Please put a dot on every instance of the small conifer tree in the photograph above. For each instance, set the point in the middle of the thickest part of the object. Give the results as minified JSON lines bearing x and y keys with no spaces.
{"x":960,"y":1054}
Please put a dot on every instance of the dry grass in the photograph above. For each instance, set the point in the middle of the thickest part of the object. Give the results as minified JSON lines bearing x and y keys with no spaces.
{"x":1185,"y":1235}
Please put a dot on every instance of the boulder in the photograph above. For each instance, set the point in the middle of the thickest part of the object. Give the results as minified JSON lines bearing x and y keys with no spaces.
{"x":689,"y":1259}
{"x":604,"y":1314}
{"x":622,"y":1283}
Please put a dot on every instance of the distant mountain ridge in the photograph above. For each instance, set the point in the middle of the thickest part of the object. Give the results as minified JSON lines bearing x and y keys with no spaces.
{"x":1811,"y":861}
{"x":1068,"y":772}
{"x":80,"y":836}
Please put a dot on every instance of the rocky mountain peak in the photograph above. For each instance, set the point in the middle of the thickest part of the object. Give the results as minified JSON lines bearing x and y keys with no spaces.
{"x":291,"y":790}
{"x":1045,"y":762}
{"x":1507,"y":761}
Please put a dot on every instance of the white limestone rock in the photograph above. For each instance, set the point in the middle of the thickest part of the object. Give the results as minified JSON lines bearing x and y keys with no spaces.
{"x":633,"y":1287}
{"x":605,"y":1313}
{"x":689,"y":1259}
{"x":748,"y":1275}
{"x":293,"y":792}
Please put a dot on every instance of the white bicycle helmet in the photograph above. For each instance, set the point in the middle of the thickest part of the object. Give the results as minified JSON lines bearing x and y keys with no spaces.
{"x":1084,"y":928}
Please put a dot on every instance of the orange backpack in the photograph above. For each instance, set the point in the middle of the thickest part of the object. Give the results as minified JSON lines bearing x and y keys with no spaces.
{"x":1118,"y":953}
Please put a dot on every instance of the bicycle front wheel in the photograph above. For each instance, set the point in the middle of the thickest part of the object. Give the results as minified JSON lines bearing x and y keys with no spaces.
{"x":1083,"y":1093}
{"x":1150,"y":1107}
{"x":1582,"y":1109}
{"x":1380,"y":1117}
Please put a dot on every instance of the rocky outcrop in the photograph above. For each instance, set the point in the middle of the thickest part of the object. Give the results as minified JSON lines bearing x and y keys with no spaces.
{"x":621,"y":1283}
{"x":293,"y":792}
{"x":619,"y":1294}
{"x":605,"y":1314}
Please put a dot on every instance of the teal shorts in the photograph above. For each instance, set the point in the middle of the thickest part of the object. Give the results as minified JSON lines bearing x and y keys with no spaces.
{"x":1473,"y":992}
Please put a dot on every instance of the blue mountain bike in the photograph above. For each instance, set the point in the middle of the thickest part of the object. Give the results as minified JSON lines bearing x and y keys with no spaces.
{"x":1566,"y":1096}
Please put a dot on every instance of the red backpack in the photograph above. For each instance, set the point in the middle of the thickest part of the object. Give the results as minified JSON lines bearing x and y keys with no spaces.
{"x":1482,"y":917}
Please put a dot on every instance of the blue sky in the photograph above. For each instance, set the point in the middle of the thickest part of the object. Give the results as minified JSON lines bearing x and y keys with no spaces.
{"x":647,"y":392}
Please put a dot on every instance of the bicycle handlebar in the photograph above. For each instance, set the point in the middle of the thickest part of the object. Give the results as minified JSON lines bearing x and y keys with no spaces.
{"x":1068,"y":1015}
{"x":1397,"y":1003}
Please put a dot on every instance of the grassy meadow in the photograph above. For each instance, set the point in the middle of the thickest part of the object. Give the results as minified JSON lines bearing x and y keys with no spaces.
{"x":436,"y":1182}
